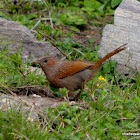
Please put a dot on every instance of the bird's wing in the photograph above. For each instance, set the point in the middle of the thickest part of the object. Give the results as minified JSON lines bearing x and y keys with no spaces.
{"x":68,"y":69}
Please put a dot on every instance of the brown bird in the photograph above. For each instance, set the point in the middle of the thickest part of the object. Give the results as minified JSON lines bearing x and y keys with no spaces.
{"x":71,"y":74}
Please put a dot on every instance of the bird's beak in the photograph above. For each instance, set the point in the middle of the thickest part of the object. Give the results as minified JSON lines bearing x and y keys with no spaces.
{"x":36,"y":61}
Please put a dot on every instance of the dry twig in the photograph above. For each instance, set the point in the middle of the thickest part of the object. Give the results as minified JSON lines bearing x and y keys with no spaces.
{"x":51,"y":43}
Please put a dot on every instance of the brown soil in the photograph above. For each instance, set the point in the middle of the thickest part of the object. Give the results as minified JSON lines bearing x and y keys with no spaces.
{"x":90,"y":31}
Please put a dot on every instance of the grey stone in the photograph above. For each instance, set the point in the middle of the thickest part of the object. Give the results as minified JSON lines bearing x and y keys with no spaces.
{"x":16,"y":36}
{"x":126,"y":29}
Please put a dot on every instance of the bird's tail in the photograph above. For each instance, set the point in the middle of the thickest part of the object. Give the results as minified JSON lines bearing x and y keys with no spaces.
{"x":108,"y":56}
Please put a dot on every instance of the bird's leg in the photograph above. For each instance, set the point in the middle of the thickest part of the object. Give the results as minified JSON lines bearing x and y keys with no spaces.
{"x":70,"y":94}
{"x":76,"y":97}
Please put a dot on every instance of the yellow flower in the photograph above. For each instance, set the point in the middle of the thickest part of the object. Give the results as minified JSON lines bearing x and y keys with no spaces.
{"x":101,"y":78}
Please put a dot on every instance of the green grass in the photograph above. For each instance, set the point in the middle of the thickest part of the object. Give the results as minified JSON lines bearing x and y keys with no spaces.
{"x":115,"y":112}
{"x":96,"y":122}
{"x":118,"y":98}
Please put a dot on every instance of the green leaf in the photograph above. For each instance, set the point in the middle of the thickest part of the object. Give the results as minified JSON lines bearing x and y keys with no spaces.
{"x":67,"y":121}
{"x":129,"y":115}
{"x":1,"y":5}
{"x":31,"y":16}
{"x":115,"y":3}
{"x":74,"y":29}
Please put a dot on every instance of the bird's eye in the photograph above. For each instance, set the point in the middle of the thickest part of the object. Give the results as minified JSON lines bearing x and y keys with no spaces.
{"x":45,"y":61}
